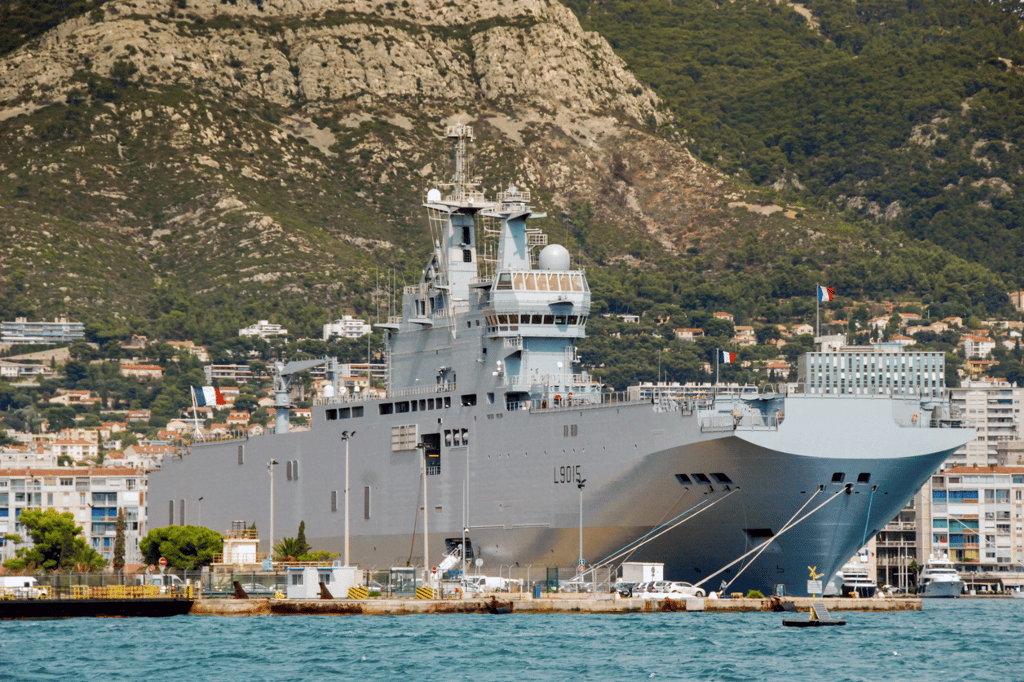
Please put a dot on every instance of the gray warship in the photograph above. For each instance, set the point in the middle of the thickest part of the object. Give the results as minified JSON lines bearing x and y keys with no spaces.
{"x":488,"y":436}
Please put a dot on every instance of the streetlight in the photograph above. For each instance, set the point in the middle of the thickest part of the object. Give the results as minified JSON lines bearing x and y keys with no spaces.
{"x":270,"y":469}
{"x":200,"y":500}
{"x":345,"y":435}
{"x":422,"y":447}
{"x":579,"y":484}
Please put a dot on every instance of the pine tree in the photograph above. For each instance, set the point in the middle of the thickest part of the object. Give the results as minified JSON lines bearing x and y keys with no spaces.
{"x":119,"y":550}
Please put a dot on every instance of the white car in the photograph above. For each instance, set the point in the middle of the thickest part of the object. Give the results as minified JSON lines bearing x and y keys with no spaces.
{"x":663,"y":589}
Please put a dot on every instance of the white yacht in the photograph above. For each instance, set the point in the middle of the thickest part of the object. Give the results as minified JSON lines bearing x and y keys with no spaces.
{"x":853,"y":577}
{"x":939,"y":578}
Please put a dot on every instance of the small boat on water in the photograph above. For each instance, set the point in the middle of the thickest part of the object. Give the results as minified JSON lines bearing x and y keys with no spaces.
{"x":940,"y":578}
{"x":1017,"y":593}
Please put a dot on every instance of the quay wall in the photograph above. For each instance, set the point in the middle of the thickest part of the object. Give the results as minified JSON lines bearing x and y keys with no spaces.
{"x":515,"y":604}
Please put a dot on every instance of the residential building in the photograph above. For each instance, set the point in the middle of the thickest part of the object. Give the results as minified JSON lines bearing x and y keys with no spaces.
{"x":15,"y":371}
{"x":976,"y":346}
{"x":688,"y":334}
{"x":264,"y":330}
{"x":801,"y":329}
{"x":347,"y":328}
{"x":142,"y":372}
{"x":23,"y":332}
{"x":71,"y":397}
{"x":78,"y":450}
{"x":238,"y":374}
{"x":92,"y":495}
{"x":137,"y":416}
{"x":192,"y":348}
{"x":975,"y":515}
{"x":26,"y":457}
{"x":728,"y":317}
{"x":993,"y":407}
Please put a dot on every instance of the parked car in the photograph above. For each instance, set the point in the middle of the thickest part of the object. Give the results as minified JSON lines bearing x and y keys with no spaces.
{"x":625,"y":589}
{"x":663,"y":589}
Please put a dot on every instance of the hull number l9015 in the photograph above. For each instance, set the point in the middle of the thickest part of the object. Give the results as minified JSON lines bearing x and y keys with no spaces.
{"x":568,"y":474}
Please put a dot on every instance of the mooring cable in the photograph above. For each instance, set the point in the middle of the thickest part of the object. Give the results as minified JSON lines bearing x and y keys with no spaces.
{"x":776,"y":536}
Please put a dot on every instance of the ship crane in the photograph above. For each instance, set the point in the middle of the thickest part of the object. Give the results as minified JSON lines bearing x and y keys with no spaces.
{"x":283,"y":376}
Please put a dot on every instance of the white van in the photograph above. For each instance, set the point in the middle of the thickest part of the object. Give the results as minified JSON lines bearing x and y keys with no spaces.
{"x":165,"y":582}
{"x":491,"y":584}
{"x":21,"y":587}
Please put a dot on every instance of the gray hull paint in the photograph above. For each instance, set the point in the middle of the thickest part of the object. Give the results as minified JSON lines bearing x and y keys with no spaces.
{"x":523,"y":510}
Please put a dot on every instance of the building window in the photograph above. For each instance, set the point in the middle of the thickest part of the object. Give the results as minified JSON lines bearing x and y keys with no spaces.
{"x":241,"y":458}
{"x":366,"y":502}
{"x":334,"y":500}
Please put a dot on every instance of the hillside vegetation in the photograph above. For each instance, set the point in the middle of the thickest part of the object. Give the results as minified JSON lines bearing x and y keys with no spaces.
{"x":906,"y":112}
{"x":183,"y":169}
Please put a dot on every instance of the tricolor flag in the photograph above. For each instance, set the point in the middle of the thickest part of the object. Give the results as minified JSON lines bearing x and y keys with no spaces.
{"x":826,"y":293}
{"x":208,"y":395}
{"x":728,"y":358}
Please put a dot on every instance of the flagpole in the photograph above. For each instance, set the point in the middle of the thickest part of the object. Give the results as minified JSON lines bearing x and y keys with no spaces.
{"x":718,"y":355}
{"x":817,"y":309}
{"x":195,"y":416}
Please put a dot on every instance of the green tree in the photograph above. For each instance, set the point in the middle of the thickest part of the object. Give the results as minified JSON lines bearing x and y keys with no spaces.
{"x":184,"y":547}
{"x":119,"y":541}
{"x":57,"y":544}
{"x":301,"y":539}
{"x":289,"y":549}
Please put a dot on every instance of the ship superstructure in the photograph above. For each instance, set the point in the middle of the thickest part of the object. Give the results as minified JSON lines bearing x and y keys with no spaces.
{"x":488,"y":432}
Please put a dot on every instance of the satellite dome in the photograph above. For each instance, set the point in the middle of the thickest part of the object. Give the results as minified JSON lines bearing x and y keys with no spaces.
{"x":553,"y":257}
{"x":328,"y":391}
{"x":434,"y":195}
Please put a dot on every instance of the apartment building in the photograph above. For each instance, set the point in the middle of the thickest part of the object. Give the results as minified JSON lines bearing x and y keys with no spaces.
{"x":93,"y":495}
{"x":993,"y":407}
{"x":347,"y":328}
{"x":976,"y":516}
{"x":60,"y":330}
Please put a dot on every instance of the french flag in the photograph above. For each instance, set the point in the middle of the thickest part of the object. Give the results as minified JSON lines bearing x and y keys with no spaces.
{"x":728,"y":358}
{"x":826,"y":293}
{"x":207,"y":396}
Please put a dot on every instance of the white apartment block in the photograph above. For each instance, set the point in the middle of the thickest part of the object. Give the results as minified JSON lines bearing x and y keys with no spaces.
{"x":976,"y":516}
{"x":882,"y":369}
{"x":21,"y":331}
{"x":347,"y":328}
{"x":993,"y":408}
{"x":264,"y":330}
{"x":93,"y":495}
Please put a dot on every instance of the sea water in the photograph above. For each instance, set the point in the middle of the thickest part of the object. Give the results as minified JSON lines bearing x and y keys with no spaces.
{"x":965,"y":639}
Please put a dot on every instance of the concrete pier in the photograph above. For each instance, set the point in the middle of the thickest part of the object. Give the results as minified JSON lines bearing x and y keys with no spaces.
{"x":516,"y":604}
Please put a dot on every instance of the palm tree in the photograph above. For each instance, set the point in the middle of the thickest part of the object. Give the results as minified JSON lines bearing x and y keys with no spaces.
{"x":289,"y":549}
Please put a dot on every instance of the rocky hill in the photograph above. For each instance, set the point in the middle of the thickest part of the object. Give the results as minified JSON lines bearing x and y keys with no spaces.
{"x":202,"y":162}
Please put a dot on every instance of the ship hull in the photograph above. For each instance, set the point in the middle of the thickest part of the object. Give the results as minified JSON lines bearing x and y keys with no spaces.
{"x":514,"y":486}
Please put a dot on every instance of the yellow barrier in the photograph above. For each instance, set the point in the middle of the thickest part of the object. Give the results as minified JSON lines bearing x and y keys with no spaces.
{"x":358,"y":593}
{"x":425,"y":593}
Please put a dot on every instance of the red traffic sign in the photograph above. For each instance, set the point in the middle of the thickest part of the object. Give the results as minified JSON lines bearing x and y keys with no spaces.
{"x":163,"y":562}
{"x":434,"y":569}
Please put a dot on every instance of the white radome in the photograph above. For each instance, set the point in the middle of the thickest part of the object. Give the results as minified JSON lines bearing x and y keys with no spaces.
{"x":553,"y":257}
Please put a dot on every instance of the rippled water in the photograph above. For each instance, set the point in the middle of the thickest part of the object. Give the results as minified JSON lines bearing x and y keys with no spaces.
{"x":950,"y":640}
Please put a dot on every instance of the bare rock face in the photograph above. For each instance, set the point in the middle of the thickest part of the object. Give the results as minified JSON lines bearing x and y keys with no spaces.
{"x":238,"y":155}
{"x":530,"y":52}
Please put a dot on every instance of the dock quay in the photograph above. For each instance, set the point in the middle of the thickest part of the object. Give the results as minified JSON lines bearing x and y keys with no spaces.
{"x":515,"y":604}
